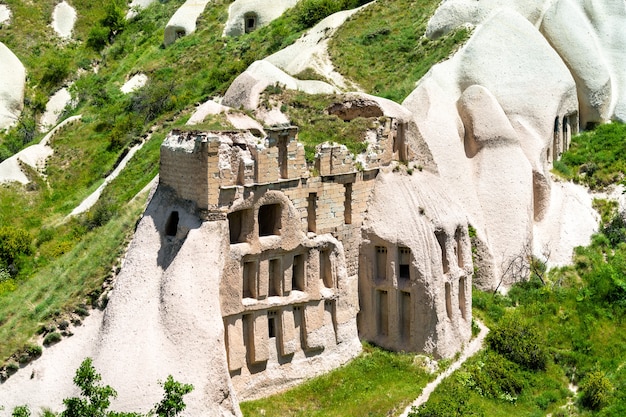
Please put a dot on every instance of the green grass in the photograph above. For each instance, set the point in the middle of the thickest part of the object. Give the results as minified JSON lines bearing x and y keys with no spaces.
{"x":382,"y":48}
{"x":64,"y":283}
{"x":308,"y":112}
{"x":377,"y":383}
{"x":579,"y":318}
{"x":193,"y":69}
{"x":595,"y":158}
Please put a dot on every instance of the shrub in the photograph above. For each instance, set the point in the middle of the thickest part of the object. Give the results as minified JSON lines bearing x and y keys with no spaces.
{"x":172,"y":403}
{"x":95,"y":399}
{"x":98,"y":38}
{"x":14,"y":242}
{"x":12,"y":368}
{"x":595,"y":390}
{"x":52,"y":338}
{"x":456,"y":403}
{"x":57,"y":69}
{"x":309,"y":12}
{"x":29,"y":353}
{"x":21,"y":411}
{"x":520,"y":342}
{"x":615,"y":230}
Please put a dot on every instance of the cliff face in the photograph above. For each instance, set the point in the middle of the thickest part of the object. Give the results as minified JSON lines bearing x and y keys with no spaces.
{"x":247,"y":274}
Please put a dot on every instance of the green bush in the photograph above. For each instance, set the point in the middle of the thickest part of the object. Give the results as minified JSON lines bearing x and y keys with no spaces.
{"x":21,"y":411}
{"x":52,"y":338}
{"x":57,"y":69}
{"x":309,"y":12}
{"x":456,"y":403}
{"x":29,"y":353}
{"x":14,"y":242}
{"x":520,"y":342}
{"x":98,"y":38}
{"x":595,"y":390}
{"x":172,"y":402}
{"x":95,"y":399}
{"x":615,"y":230}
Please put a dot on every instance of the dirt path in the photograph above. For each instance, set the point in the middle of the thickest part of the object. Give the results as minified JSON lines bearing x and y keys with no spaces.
{"x":471,"y":349}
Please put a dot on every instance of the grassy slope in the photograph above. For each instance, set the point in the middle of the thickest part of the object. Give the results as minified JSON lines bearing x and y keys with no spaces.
{"x":377,"y":383}
{"x":383,"y":48}
{"x":195,"y":68}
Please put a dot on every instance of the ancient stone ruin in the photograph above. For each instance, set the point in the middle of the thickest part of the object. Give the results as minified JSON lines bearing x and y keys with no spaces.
{"x":307,"y":262}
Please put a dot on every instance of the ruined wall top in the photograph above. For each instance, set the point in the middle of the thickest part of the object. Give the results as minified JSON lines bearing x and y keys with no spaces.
{"x":198,"y":164}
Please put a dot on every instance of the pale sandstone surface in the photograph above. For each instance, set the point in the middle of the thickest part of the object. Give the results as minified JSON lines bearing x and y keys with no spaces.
{"x":246,"y":88}
{"x":415,"y":212}
{"x":311,"y":51}
{"x":590,"y":69}
{"x":55,"y":106}
{"x":45,"y":382}
{"x":209,"y":107}
{"x":236,"y":118}
{"x":12,"y":84}
{"x":134,"y":83}
{"x":137,"y":5}
{"x":63,"y":20}
{"x":35,"y":156}
{"x":163,"y":310}
{"x":589,"y":36}
{"x":247,"y":15}
{"x":494,"y":142}
{"x":183,"y":22}
{"x":569,"y":222}
{"x":92,"y":199}
{"x":5,"y":14}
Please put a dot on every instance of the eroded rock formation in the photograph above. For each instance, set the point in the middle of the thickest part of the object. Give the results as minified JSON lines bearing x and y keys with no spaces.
{"x":12,"y":83}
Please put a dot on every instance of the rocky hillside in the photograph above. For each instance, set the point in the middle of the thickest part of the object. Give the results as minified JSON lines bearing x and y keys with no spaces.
{"x":88,"y":92}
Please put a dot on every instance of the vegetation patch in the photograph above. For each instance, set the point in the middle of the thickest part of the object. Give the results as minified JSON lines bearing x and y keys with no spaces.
{"x":95,"y":398}
{"x":595,"y":157}
{"x":377,"y":383}
{"x":383,"y":50}
{"x":315,"y":125}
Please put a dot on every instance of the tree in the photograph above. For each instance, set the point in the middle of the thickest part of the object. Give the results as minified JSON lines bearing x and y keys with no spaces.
{"x":595,"y":390}
{"x":14,"y":242}
{"x":96,"y":399}
{"x":172,"y":403}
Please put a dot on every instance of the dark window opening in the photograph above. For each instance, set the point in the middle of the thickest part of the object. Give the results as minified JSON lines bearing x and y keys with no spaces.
{"x":171,"y":227}
{"x":275,"y":278}
{"x":311,"y":213}
{"x":381,"y":263}
{"x":404,"y":262}
{"x":269,"y":220}
{"x":250,"y":20}
{"x":462,"y":299}
{"x":272,"y":324}
{"x":383,"y":313}
{"x":458,"y":237}
{"x":298,"y":273}
{"x":347,"y":204}
{"x":249,"y":279}
{"x":448,"y":301}
{"x":441,"y":239}
{"x":555,"y":140}
{"x":326,"y":268}
{"x":236,"y":226}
